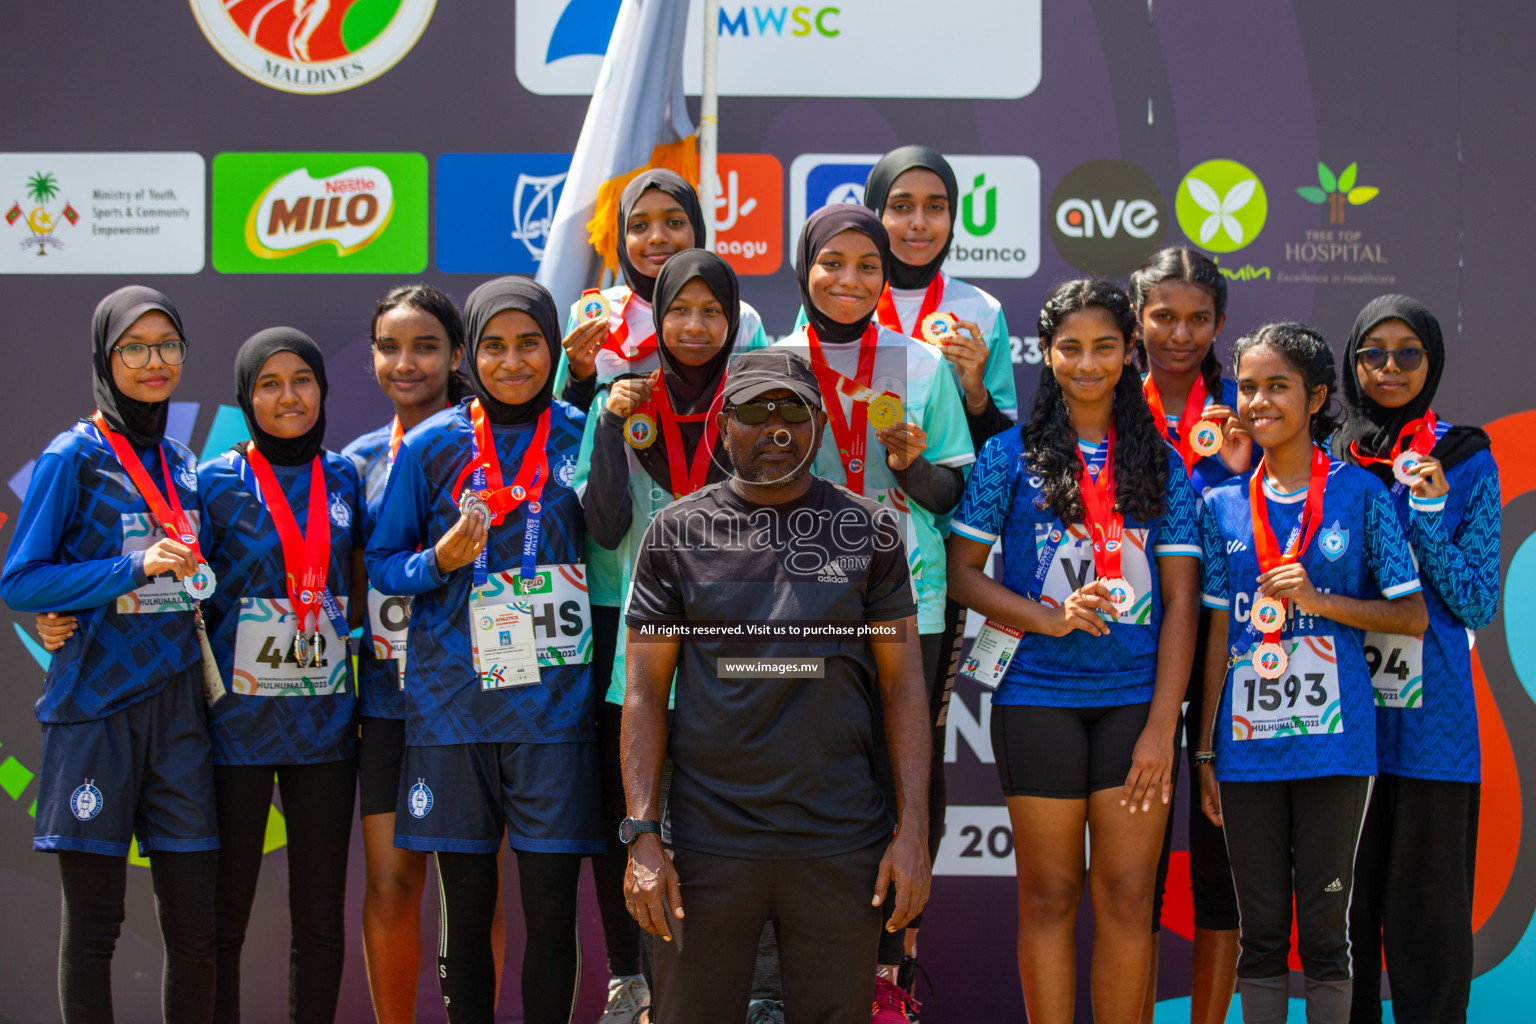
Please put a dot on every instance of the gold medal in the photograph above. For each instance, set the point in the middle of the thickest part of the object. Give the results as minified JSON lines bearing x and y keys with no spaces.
{"x":1205,"y":438}
{"x":939,"y":328}
{"x":884,"y":411}
{"x":640,"y":431}
{"x":592,"y":305}
{"x":1270,"y":660}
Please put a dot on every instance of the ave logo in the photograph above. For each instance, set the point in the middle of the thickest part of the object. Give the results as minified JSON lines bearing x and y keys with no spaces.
{"x":317,"y":213}
{"x":1107,"y":217}
{"x":312,"y":46}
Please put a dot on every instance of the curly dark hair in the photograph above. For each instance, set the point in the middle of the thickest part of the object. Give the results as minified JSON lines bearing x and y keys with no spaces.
{"x":1306,"y":351}
{"x":436,"y":303}
{"x":1050,"y":442}
{"x":1176,"y":263}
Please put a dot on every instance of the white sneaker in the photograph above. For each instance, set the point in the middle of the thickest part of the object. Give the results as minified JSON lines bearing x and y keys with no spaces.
{"x":628,"y":998}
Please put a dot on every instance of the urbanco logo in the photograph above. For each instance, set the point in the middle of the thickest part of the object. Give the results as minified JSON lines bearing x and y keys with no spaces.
{"x":312,"y":46}
{"x":1107,"y":217}
{"x":1221,"y":205}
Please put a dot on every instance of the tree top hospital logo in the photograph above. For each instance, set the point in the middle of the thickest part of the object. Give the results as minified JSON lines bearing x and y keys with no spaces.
{"x":1221,"y":205}
{"x":312,"y":46}
{"x":85,"y":802}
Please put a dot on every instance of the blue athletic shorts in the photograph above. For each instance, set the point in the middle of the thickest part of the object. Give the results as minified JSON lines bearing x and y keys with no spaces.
{"x":145,"y":771}
{"x":461,"y":799}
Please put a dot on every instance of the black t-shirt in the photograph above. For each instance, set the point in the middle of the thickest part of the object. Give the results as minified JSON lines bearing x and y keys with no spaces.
{"x":770,"y":767}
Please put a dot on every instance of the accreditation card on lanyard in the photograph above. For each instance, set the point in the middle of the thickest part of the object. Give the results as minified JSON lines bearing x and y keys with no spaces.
{"x":306,"y":556}
{"x":173,"y":519}
{"x":501,"y":629}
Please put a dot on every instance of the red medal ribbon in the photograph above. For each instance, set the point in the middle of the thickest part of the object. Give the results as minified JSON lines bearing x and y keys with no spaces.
{"x":885,"y":311}
{"x":396,"y":435}
{"x":1423,"y":431}
{"x":617,"y":337}
{"x":1194,"y":408}
{"x":531,"y":475}
{"x":686,"y":480}
{"x":1266,"y":546}
{"x":851,"y":437}
{"x":1106,"y":527}
{"x":166,"y":510}
{"x":307,"y":555}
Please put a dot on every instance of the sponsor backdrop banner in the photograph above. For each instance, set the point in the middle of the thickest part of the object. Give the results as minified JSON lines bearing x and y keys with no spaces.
{"x":287,"y":163}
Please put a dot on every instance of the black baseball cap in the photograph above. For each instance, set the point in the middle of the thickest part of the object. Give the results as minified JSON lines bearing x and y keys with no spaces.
{"x":770,"y":369}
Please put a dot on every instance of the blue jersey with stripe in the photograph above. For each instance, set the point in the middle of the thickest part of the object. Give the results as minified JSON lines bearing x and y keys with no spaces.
{"x":1360,"y":552}
{"x":1456,"y":541}
{"x":242,"y":545}
{"x":378,"y":679}
{"x":1076,"y":670}
{"x":79,"y":548}
{"x":445,"y":703}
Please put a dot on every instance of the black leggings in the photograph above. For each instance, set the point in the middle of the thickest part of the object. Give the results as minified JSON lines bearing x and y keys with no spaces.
{"x":467,"y":888}
{"x":317,"y":809}
{"x":94,"y":889}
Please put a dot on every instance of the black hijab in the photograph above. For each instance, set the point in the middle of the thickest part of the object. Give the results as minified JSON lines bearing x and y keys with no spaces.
{"x":497,"y":296}
{"x":673,"y":185}
{"x":691,"y":389}
{"x":877,"y":191}
{"x":280,"y":451}
{"x":1375,"y":428}
{"x":142,"y":423}
{"x":822,"y":226}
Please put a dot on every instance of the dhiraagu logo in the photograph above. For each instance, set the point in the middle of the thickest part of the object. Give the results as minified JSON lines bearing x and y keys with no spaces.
{"x":319,"y":213}
{"x":1221,"y":205}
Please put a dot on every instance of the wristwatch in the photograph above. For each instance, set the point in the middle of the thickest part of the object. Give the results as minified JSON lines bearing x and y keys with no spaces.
{"x":630,"y":829}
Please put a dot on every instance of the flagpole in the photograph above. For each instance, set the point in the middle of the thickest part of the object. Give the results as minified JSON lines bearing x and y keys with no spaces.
{"x":709,"y":119}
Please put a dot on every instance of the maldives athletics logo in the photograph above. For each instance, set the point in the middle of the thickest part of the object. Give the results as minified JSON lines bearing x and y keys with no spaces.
{"x":312,"y":46}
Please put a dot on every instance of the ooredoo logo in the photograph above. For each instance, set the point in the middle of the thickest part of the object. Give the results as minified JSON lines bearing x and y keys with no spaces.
{"x":1221,"y":205}
{"x":284,"y":213}
{"x":1107,"y":217}
{"x":312,"y":46}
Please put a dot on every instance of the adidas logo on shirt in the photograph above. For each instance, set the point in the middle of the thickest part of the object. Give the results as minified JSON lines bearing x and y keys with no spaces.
{"x":1334,"y":886}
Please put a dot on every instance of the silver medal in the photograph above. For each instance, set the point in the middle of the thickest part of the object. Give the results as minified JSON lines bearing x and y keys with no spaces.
{"x":201,"y":584}
{"x":301,"y":649}
{"x":471,"y":504}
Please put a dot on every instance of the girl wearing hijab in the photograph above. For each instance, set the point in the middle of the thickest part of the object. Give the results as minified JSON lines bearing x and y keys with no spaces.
{"x":1091,"y":632}
{"x":897,"y":430}
{"x":1181,"y":306}
{"x":1304,"y":558}
{"x":284,"y":530}
{"x":659,"y":216}
{"x":696,"y":313}
{"x":479,"y":510}
{"x":1413,"y":871}
{"x":417,"y":340}
{"x":108,"y":532}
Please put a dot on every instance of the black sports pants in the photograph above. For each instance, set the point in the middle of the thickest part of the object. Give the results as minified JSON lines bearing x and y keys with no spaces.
{"x":317,"y":810}
{"x":1413,"y":892}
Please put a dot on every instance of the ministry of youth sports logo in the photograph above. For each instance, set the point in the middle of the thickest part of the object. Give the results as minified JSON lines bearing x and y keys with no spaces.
{"x":312,"y":46}
{"x":419,"y":800}
{"x":85,"y":802}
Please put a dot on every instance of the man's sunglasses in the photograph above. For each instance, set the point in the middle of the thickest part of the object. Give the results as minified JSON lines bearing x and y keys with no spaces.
{"x":1407,"y":359}
{"x":753,"y":414}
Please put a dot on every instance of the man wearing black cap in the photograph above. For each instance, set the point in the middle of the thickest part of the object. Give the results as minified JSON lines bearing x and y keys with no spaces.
{"x":780,"y":602}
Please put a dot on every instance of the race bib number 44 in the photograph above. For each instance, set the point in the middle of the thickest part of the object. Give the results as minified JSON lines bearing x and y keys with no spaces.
{"x":265,"y":665}
{"x":1304,"y":701}
{"x":1397,"y":669}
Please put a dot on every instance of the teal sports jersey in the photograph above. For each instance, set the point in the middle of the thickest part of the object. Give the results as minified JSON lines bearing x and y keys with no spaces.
{"x":607,"y":576}
{"x":967,"y":302}
{"x":916,"y":374}
{"x":1325,"y":691}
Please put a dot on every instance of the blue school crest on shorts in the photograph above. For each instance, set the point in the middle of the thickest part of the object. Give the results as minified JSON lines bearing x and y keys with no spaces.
{"x":1333,"y":542}
{"x":419,"y":800}
{"x":85,"y":801}
{"x":341,"y":515}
